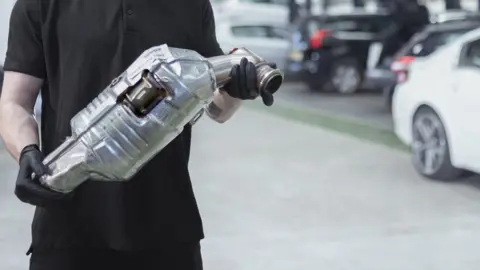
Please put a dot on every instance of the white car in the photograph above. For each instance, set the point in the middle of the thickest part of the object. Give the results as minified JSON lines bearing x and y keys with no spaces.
{"x":275,"y":11}
{"x":435,"y":110}
{"x":269,"y":41}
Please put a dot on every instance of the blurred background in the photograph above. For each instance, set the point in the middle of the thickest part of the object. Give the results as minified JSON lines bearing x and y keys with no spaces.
{"x":368,"y":160}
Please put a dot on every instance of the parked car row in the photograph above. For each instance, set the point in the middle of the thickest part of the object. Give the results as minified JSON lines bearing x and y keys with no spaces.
{"x":430,"y":83}
{"x":348,"y":52}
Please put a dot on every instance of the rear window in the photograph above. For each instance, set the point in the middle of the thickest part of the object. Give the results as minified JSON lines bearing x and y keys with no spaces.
{"x":423,"y":45}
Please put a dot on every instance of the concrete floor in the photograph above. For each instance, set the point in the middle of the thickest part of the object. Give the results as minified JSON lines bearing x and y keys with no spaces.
{"x":364,"y":107}
{"x":292,"y":196}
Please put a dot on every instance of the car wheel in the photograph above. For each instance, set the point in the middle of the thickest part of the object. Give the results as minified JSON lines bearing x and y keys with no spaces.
{"x":430,"y":148}
{"x":345,"y":76}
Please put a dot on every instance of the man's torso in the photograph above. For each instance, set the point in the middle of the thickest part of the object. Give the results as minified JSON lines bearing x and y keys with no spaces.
{"x":86,"y":45}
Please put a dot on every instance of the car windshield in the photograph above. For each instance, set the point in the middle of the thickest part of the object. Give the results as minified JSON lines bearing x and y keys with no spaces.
{"x":423,"y":45}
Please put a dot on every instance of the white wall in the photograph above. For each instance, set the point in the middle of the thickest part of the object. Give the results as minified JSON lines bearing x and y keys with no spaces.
{"x":5,"y":10}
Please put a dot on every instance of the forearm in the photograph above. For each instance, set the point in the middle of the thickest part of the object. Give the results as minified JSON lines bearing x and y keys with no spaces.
{"x":222,"y":107}
{"x":18,"y":128}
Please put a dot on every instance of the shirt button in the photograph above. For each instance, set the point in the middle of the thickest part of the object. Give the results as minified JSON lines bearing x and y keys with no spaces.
{"x":130,"y":12}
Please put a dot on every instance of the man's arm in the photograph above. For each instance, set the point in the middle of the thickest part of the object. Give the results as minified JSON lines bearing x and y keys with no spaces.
{"x":18,"y":127}
{"x":222,"y":106}
{"x":24,"y":67}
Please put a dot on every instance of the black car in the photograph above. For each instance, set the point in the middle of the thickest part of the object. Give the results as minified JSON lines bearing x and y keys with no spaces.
{"x":336,"y":51}
{"x":423,"y":44}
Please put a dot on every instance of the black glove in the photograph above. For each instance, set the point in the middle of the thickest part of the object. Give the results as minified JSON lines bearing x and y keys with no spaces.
{"x":30,"y":190}
{"x":243,"y":84}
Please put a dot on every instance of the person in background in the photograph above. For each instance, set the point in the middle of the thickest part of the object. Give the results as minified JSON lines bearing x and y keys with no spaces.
{"x":71,"y":50}
{"x":409,"y":17}
{"x":293,"y":11}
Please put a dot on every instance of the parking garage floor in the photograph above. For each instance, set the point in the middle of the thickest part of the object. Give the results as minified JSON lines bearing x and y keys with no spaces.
{"x":280,"y":195}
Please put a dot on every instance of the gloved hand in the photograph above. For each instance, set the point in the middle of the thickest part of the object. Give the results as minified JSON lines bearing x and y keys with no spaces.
{"x":30,"y":190}
{"x":243,"y":84}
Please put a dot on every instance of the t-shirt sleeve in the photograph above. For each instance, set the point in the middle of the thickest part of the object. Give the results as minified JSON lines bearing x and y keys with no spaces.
{"x":209,"y":43}
{"x":25,"y":49}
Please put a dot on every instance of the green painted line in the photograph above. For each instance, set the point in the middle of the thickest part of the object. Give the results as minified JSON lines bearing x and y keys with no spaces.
{"x":334,"y":123}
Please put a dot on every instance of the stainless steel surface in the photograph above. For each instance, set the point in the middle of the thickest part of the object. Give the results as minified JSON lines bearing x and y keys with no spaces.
{"x":141,"y":112}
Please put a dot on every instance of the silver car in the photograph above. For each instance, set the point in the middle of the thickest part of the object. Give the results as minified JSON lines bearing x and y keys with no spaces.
{"x":268,"y":39}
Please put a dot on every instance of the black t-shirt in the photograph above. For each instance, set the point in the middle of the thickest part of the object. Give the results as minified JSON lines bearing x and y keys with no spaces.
{"x":78,"y":47}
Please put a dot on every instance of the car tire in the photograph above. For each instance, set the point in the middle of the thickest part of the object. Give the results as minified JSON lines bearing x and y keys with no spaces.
{"x":430,"y":147}
{"x":345,"y":76}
